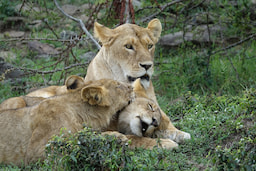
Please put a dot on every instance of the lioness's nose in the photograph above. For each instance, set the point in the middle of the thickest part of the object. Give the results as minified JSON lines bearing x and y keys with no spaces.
{"x":146,"y":66}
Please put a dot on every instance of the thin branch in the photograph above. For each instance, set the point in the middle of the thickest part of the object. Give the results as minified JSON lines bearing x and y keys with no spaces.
{"x":162,"y":9}
{"x":81,"y":24}
{"x":23,"y":3}
{"x":232,"y":65}
{"x":39,"y":39}
{"x":209,"y":37}
{"x":52,"y":71}
{"x":47,"y":24}
{"x":234,"y":44}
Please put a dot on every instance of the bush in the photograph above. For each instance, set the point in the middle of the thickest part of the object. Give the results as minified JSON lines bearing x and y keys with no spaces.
{"x":86,"y":150}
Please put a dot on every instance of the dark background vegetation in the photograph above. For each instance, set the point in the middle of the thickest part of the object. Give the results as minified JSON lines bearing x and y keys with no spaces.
{"x":205,"y":65}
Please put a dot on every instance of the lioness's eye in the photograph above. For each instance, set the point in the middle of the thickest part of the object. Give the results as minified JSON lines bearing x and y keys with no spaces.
{"x":150,"y":107}
{"x":150,"y":46}
{"x":129,"y":46}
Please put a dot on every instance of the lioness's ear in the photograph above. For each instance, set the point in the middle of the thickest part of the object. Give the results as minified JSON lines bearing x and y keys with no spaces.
{"x":74,"y":82}
{"x":104,"y":34}
{"x":156,"y":27}
{"x":95,"y":95}
{"x":139,"y":89}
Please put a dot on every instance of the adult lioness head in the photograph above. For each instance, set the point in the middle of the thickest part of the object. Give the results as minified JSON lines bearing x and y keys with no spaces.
{"x":127,"y":52}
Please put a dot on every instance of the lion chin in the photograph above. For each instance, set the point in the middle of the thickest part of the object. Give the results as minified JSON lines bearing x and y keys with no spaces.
{"x":144,"y":80}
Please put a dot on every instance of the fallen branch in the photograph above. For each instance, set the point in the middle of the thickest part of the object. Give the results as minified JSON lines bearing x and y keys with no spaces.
{"x":81,"y":24}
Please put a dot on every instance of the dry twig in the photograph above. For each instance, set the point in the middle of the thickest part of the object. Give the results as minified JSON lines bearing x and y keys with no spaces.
{"x":35,"y":71}
{"x":81,"y":24}
{"x":162,"y":9}
{"x":39,"y":39}
{"x":235,"y":44}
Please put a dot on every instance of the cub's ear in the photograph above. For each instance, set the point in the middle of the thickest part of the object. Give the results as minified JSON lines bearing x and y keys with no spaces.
{"x":156,"y":27}
{"x":95,"y":95}
{"x":139,"y":89}
{"x":104,"y":34}
{"x":74,"y":82}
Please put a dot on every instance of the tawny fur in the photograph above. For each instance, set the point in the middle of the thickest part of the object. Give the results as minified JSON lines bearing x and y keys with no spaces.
{"x":24,"y":132}
{"x":19,"y":102}
{"x":129,"y":122}
{"x":142,"y":117}
{"x":127,"y":53}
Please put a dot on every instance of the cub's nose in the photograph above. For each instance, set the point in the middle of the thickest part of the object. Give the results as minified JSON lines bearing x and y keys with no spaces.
{"x":154,"y":122}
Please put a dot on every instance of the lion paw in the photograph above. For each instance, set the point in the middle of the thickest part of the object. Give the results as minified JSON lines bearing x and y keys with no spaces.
{"x":179,"y":136}
{"x":116,"y":134}
{"x":175,"y":135}
{"x":168,"y":144}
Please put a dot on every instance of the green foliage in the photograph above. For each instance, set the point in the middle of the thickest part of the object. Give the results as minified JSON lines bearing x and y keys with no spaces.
{"x":242,"y":156}
{"x":87,"y":150}
{"x":185,"y":69}
{"x":6,"y":9}
{"x":223,"y":125}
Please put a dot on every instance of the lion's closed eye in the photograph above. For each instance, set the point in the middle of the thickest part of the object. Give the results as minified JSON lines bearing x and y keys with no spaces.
{"x":150,"y":107}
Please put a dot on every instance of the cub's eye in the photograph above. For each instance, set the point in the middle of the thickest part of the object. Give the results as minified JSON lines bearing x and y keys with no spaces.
{"x":150,"y":107}
{"x":150,"y":46}
{"x":128,"y":46}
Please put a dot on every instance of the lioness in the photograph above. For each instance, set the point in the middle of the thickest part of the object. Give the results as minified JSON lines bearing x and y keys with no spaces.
{"x":24,"y":132}
{"x":127,"y":53}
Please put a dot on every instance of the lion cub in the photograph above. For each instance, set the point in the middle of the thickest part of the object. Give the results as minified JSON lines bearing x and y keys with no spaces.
{"x":142,"y":117}
{"x":139,"y":121}
{"x":24,"y":132}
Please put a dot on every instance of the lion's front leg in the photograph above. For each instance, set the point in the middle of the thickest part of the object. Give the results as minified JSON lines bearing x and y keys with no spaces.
{"x":116,"y":134}
{"x":134,"y":141}
{"x":168,"y":130}
{"x":150,"y":143}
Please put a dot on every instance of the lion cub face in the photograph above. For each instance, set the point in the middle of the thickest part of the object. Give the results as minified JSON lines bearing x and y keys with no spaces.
{"x":131,"y":47}
{"x":142,"y":117}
